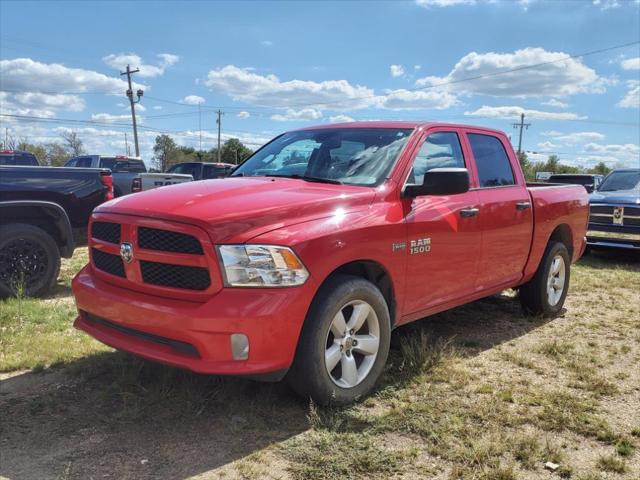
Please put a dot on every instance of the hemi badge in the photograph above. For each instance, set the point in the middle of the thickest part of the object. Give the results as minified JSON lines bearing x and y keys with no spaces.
{"x":396,"y":247}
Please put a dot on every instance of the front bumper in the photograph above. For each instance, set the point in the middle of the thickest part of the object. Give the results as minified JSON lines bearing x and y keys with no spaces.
{"x":613,"y":237}
{"x":195,"y":335}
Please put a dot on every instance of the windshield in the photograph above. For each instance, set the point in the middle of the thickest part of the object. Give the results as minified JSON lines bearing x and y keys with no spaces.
{"x":186,"y":168}
{"x":621,"y":181}
{"x":354,"y":156}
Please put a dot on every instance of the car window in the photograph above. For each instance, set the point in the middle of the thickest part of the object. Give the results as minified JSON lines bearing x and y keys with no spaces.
{"x":621,"y":180}
{"x":439,"y":150}
{"x":22,"y":159}
{"x":211,"y":171}
{"x":185,"y":169}
{"x":492,"y":162}
{"x":83,"y":162}
{"x":354,"y":156}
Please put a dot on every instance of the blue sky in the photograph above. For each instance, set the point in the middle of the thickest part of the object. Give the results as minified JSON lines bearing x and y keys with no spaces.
{"x":275,"y":66}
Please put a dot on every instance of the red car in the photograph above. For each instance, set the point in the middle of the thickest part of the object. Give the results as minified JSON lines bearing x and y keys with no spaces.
{"x":301,"y":263}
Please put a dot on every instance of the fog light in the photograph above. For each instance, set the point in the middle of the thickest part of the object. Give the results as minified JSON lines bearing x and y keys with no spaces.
{"x":240,"y":346}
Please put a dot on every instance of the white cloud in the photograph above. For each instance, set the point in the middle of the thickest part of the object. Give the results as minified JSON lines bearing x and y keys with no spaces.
{"x":631,"y":64}
{"x":243,"y":114}
{"x":625,"y":151}
{"x":266,"y":43}
{"x":416,"y":100}
{"x":341,"y":119}
{"x":513,"y":112}
{"x":70,"y":103}
{"x":606,"y":4}
{"x":157,"y":107}
{"x":575,"y":137}
{"x":632,"y":98}
{"x":193,"y":100}
{"x":120,"y":61}
{"x":547,"y":146}
{"x":109,"y":118}
{"x":243,"y":84}
{"x":26,"y":75}
{"x":304,"y":114}
{"x":444,"y":3}
{"x":396,"y":70}
{"x":555,"y":103}
{"x":417,"y":67}
{"x":476,"y":74}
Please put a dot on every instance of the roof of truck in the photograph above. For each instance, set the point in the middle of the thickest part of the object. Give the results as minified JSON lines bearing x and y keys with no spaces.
{"x":398,"y":124}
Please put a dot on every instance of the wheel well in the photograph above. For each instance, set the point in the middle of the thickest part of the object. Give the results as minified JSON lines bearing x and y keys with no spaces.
{"x":562,"y":234}
{"x":43,"y":217}
{"x":374,"y":273}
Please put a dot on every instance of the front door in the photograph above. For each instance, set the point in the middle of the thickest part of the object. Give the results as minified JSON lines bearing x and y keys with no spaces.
{"x":443,"y":233}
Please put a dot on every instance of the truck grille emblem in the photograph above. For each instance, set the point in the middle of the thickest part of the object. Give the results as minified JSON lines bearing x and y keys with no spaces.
{"x":618,"y":215}
{"x":126,"y":252}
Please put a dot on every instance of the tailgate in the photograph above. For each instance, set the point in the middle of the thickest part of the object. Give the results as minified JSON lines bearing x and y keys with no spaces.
{"x":155,"y":180}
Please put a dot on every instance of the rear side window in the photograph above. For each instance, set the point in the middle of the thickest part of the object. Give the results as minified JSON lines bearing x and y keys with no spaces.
{"x":494,"y":168}
{"x":22,"y":159}
{"x":83,"y":162}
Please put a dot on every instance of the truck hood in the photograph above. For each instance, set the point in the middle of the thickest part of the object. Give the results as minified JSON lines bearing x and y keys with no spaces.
{"x":625,"y":197}
{"x":238,"y":209}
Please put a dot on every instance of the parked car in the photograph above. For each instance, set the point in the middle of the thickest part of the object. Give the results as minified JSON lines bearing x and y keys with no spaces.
{"x":614,"y":220}
{"x":301,"y":263}
{"x":44,"y":213}
{"x":18,"y":157}
{"x":124,"y":170}
{"x":203,"y":170}
{"x":589,"y":181}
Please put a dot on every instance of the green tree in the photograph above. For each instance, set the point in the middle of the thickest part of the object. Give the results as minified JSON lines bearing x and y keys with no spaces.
{"x":234,"y":151}
{"x":552,"y":164}
{"x":527,"y":167}
{"x":600,"y":169}
{"x":38,"y":150}
{"x":165,"y":153}
{"x":56,"y":155}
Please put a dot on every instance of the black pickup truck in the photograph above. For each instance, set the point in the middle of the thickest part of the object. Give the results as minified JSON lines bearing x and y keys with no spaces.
{"x":44,"y":212}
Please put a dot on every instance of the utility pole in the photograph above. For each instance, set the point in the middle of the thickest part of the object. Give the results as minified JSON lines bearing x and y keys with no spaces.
{"x":200,"y":124}
{"x":219,"y":122}
{"x":6,"y":138}
{"x":126,"y":144}
{"x":521,"y":126}
{"x":133,"y":102}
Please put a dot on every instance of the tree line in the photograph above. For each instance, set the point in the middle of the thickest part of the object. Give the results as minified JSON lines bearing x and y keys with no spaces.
{"x":167,"y":153}
{"x":553,"y":165}
{"x":51,"y":154}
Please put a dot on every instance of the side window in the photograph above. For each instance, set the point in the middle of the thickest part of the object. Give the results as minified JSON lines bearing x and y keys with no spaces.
{"x":83,"y":162}
{"x":71,"y":163}
{"x":492,"y":162}
{"x":209,"y":171}
{"x":439,"y":150}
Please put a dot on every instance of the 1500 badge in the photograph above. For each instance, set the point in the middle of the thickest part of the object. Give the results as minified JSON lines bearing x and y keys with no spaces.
{"x":421,"y":245}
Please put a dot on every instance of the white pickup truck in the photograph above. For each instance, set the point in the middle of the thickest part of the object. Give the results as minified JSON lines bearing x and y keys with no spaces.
{"x":149,"y":181}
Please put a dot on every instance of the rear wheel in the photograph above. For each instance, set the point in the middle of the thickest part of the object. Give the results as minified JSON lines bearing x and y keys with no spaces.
{"x":546,"y":292}
{"x":29,"y":260}
{"x":344,"y":344}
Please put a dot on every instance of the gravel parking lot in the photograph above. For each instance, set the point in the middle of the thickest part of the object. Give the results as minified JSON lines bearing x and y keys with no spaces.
{"x":478,"y":392}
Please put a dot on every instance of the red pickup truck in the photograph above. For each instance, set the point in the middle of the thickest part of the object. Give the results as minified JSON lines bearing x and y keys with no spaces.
{"x":301,"y":263}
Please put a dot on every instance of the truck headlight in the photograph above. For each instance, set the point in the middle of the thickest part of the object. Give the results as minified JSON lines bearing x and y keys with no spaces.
{"x":260,"y":266}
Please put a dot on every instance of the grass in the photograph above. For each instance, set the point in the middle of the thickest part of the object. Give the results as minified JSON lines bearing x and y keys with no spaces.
{"x":36,"y":333}
{"x":480,"y":392}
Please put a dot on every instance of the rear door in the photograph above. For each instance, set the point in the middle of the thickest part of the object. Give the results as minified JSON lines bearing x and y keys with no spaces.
{"x":443,"y":230}
{"x":506,"y":217}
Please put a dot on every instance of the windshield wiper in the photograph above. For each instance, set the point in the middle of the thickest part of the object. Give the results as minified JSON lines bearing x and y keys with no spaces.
{"x":307,"y":178}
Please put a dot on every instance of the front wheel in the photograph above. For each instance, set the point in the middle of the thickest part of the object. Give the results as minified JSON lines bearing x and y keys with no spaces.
{"x":344,"y":343}
{"x":546,"y":292}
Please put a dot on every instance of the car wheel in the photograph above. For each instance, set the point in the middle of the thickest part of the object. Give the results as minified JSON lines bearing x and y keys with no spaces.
{"x":344,"y":343}
{"x":546,"y":292}
{"x":29,"y":260}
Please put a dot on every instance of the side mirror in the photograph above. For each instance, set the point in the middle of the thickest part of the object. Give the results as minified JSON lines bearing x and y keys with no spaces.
{"x":440,"y":181}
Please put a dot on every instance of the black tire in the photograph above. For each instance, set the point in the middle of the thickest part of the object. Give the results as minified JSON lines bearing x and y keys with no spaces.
{"x":29,"y":260}
{"x":534,"y":295}
{"x":308,"y":375}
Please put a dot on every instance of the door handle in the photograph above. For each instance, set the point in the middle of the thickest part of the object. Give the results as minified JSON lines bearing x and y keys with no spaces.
{"x":469,"y":212}
{"x":523,"y":205}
